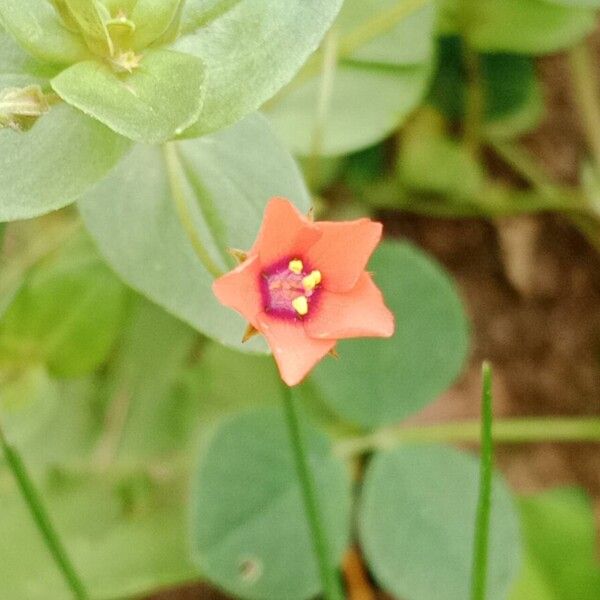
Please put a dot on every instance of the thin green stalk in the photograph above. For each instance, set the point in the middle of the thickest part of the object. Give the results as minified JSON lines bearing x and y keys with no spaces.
{"x":524,"y":164}
{"x":585,"y":84}
{"x":379,"y":24}
{"x":484,"y":505}
{"x":42,"y":520}
{"x":183,"y":211}
{"x":507,"y":431}
{"x":323,"y":105}
{"x":329,"y":577}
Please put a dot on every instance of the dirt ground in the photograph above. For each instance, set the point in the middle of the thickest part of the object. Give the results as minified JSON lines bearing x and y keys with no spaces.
{"x":531,"y":286}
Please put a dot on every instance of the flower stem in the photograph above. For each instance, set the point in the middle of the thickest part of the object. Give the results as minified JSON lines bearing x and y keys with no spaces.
{"x":329,"y":577}
{"x":482,"y":524}
{"x":42,"y":520}
{"x":507,"y":431}
{"x":585,"y":84}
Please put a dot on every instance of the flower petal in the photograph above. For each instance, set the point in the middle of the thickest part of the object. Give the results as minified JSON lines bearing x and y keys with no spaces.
{"x":284,"y":233}
{"x":295,"y":353}
{"x":342,"y":252}
{"x":360,"y":312}
{"x":240,"y":289}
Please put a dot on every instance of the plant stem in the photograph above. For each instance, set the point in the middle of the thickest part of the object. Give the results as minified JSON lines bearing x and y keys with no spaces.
{"x":323,"y":105}
{"x":42,"y":520}
{"x":379,"y":24}
{"x":524,"y":164}
{"x":329,"y":577}
{"x":585,"y":83}
{"x":482,"y":524}
{"x":507,"y":431}
{"x":183,"y":211}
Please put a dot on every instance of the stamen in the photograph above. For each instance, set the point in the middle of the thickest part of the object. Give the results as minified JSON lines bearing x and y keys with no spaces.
{"x":296,"y":266}
{"x":300,"y":305}
{"x":311,"y":281}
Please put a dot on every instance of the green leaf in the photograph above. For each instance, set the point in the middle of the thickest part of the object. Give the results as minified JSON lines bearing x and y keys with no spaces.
{"x":375,"y":84}
{"x":28,"y":398}
{"x":152,"y":19}
{"x":51,"y":165}
{"x":374,"y":99}
{"x":228,"y":381}
{"x":126,"y":539}
{"x":512,"y":96}
{"x":89,"y":17}
{"x":416,"y":524}
{"x":528,"y":26}
{"x":582,"y":3}
{"x":37,"y":28}
{"x":377,"y":382}
{"x":17,"y":68}
{"x":558,"y":527}
{"x":67,"y":315}
{"x":250,"y":534}
{"x":223,"y":184}
{"x":250,"y":49}
{"x":159,"y":99}
{"x":456,"y":174}
{"x":141,"y":380}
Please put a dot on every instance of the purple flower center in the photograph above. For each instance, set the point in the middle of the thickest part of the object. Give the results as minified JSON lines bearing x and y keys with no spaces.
{"x":289,"y":289}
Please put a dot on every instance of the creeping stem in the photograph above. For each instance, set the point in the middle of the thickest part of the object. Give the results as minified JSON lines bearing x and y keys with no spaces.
{"x":329,"y":576}
{"x":42,"y":520}
{"x":482,"y":524}
{"x":506,"y":431}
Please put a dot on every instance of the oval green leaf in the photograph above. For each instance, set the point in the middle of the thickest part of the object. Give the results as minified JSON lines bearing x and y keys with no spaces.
{"x":66,"y":315}
{"x":381,"y":71}
{"x":528,"y":26}
{"x":417,"y":521}
{"x":38,"y":29}
{"x":51,"y":165}
{"x":378,"y":382}
{"x":222,"y":184}
{"x":250,"y":49}
{"x":250,"y":534}
{"x":159,"y":99}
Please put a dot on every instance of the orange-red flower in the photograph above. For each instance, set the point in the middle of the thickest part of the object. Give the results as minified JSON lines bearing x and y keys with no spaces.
{"x":303,"y":285}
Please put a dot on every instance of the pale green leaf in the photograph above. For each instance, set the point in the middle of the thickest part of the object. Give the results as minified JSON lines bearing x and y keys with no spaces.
{"x":417,"y":520}
{"x":89,"y":18}
{"x":28,"y":398}
{"x":223,"y":183}
{"x":159,"y":99}
{"x":126,"y":537}
{"x":377,"y":81}
{"x":377,"y":382}
{"x":152,"y":19}
{"x":141,"y":378}
{"x":17,"y":68}
{"x":582,"y":3}
{"x":38,"y":29}
{"x":51,"y":165}
{"x":250,"y":50}
{"x":66,"y":315}
{"x":528,"y":26}
{"x":249,"y":528}
{"x":558,"y":527}
{"x":367,"y":103}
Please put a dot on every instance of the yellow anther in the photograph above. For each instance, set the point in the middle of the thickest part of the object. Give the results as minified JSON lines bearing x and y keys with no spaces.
{"x":311,"y":281}
{"x":296,"y":266}
{"x":300,"y":305}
